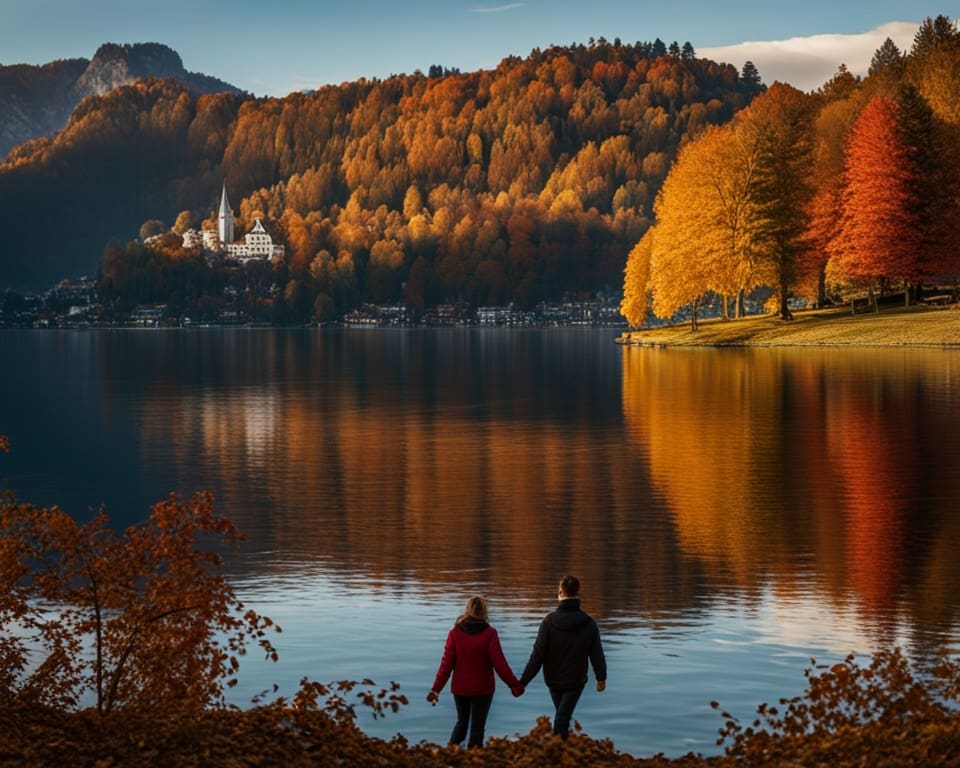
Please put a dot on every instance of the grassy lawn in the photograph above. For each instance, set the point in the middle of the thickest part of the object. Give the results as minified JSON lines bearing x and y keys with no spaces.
{"x":900,"y":326}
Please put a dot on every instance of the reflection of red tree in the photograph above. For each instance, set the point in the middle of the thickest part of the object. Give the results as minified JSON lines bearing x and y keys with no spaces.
{"x":873,"y":472}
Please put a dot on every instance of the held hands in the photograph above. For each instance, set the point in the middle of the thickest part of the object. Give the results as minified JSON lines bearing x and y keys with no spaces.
{"x":433,"y":697}
{"x":601,"y":686}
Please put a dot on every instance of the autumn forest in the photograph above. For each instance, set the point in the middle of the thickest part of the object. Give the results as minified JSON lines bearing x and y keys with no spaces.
{"x":517,"y":184}
{"x":850,"y":191}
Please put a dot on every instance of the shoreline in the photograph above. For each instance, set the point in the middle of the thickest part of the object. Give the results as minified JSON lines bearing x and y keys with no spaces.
{"x":915,"y":326}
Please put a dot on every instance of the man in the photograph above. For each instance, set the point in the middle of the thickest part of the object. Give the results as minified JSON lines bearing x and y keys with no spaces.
{"x":567,"y":638}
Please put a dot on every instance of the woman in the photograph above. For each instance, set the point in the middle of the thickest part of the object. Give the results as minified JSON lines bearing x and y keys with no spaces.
{"x":472,"y":653}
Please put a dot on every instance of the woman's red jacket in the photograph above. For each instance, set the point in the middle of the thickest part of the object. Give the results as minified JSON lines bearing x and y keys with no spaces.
{"x":472,"y":652}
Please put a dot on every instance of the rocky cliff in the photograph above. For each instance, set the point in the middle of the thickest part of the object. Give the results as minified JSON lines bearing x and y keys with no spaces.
{"x":37,"y":100}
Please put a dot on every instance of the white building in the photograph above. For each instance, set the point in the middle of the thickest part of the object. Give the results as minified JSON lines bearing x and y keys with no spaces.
{"x":257,"y":244}
{"x":225,"y":221}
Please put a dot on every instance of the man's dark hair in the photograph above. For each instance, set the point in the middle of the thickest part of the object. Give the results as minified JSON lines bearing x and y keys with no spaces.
{"x":570,"y":586}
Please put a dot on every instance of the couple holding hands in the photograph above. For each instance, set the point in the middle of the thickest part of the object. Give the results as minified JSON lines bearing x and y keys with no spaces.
{"x":566,"y":640}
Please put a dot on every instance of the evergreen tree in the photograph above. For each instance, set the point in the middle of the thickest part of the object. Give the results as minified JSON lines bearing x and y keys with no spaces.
{"x":841,"y":86}
{"x":935,"y":34}
{"x":886,"y":57}
{"x":750,"y":76}
{"x":782,"y":123}
{"x":935,"y":188}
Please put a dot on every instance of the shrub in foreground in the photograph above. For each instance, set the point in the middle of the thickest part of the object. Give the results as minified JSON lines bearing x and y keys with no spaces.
{"x":136,"y":618}
{"x":883,"y":713}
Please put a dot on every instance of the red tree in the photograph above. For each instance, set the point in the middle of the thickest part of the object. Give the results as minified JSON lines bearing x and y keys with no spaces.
{"x":879,"y":234}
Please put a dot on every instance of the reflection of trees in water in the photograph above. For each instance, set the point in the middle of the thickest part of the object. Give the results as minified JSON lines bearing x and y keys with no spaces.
{"x":441,"y":459}
{"x":704,"y":423}
{"x":501,"y":460}
{"x":766,"y":457}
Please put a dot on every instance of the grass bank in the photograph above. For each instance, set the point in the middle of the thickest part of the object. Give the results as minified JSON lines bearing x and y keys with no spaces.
{"x":892,"y":327}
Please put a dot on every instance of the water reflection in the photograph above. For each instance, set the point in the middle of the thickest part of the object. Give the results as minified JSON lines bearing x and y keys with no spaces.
{"x":669,"y":479}
{"x":449,"y":458}
{"x":786,"y":466}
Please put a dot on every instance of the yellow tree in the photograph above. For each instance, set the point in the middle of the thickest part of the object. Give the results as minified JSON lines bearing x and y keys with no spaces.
{"x":728,"y":163}
{"x":677,"y":274}
{"x":703,"y":237}
{"x":635,"y":282}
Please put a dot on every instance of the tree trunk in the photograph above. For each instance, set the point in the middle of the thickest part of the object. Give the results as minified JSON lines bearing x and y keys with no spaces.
{"x":785,"y":313}
{"x":693,"y":316}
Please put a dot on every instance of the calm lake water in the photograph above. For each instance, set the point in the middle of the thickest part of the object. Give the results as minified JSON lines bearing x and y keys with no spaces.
{"x":731,"y":513}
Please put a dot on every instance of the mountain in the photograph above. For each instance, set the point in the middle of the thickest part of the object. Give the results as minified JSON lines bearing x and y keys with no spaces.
{"x":36,"y":101}
{"x":523,"y":183}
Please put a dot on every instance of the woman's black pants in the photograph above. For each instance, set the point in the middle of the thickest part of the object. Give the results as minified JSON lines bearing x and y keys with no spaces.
{"x":472,"y":711}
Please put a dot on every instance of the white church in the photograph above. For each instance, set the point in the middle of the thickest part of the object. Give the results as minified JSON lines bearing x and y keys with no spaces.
{"x":257,"y":245}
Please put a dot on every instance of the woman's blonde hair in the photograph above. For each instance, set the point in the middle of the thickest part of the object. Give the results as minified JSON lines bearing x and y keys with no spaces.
{"x":476,"y":608}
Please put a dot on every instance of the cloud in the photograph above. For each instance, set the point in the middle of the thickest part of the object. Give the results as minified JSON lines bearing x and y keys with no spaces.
{"x":808,"y":62}
{"x":497,"y":8}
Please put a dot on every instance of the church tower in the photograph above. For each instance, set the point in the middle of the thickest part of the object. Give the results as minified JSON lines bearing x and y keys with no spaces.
{"x":225,"y":228}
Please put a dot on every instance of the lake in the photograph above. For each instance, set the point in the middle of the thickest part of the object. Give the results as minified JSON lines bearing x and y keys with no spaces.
{"x":731,"y":513}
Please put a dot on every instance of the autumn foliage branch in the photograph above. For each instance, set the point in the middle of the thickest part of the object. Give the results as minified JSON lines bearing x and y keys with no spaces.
{"x":142,"y":617}
{"x":848,"y":708}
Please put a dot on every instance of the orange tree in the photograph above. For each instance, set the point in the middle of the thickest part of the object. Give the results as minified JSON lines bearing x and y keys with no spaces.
{"x":140,"y":618}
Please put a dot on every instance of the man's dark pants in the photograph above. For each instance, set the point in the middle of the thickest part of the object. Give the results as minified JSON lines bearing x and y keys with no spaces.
{"x":564,"y":701}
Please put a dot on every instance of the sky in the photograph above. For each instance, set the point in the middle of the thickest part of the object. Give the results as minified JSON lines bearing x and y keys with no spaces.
{"x":274,"y":47}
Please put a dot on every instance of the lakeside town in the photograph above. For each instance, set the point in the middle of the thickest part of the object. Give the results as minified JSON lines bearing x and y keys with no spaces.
{"x":74,"y":304}
{"x":77,"y":303}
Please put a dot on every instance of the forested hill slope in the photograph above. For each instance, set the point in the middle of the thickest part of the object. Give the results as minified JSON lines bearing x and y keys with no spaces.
{"x":513,"y":184}
{"x":37,"y":100}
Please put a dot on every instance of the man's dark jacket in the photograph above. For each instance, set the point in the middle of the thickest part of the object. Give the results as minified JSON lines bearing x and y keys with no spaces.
{"x":567,"y":638}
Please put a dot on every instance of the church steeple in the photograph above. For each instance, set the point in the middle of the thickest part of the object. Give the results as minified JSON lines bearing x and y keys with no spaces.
{"x":225,"y":228}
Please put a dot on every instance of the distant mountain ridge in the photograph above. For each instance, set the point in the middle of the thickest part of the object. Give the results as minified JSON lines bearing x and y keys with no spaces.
{"x":36,"y":101}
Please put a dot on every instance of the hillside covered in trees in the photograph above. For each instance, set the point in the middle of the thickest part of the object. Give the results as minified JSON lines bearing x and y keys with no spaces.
{"x":850,"y":191}
{"x":518,"y":184}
